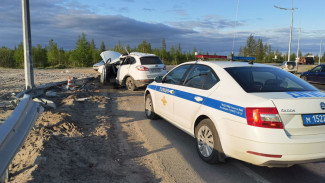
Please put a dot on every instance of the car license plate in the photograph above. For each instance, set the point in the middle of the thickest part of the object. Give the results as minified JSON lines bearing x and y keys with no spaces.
{"x":313,"y":119}
{"x":155,"y":70}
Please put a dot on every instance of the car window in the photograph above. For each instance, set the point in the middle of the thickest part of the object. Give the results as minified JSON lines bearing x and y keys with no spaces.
{"x":323,"y":69}
{"x":176,"y":76}
{"x":132,"y":60}
{"x":126,"y":61}
{"x":201,"y":77}
{"x":152,"y":60}
{"x":317,"y":69}
{"x":267,"y":79}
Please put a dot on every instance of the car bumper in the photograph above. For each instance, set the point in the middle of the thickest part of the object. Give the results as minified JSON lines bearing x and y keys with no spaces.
{"x":141,"y":83}
{"x":272,"y":147}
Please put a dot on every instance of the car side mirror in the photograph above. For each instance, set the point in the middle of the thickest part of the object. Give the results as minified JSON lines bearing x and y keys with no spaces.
{"x":159,"y":79}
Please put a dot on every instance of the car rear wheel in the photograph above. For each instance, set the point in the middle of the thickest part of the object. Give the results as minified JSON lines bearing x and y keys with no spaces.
{"x":149,"y":110}
{"x":129,"y":83}
{"x":208,"y":143}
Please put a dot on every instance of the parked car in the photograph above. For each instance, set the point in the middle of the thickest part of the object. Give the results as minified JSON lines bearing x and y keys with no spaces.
{"x":132,"y":70}
{"x":256,"y":113}
{"x":315,"y":75}
{"x":97,"y":65}
{"x":290,"y":66}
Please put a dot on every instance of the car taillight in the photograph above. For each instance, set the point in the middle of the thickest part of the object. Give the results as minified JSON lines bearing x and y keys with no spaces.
{"x":164,"y":68}
{"x":142,"y":68}
{"x":264,"y":117}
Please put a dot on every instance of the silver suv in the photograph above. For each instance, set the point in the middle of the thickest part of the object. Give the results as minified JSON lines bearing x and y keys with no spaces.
{"x":290,"y":66}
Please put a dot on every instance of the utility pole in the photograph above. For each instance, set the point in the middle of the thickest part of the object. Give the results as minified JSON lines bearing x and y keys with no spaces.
{"x":292,"y":9}
{"x":233,"y":42}
{"x":320,"y":50}
{"x":28,"y":59}
{"x":298,"y":44}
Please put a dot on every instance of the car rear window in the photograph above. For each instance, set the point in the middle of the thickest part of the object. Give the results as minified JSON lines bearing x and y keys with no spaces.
{"x":150,"y":60}
{"x":267,"y":79}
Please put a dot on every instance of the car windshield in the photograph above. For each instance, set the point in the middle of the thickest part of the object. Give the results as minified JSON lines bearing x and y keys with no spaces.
{"x":150,"y":60}
{"x":267,"y":79}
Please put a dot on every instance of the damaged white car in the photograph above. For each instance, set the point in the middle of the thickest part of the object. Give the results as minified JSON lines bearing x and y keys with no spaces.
{"x":132,"y":70}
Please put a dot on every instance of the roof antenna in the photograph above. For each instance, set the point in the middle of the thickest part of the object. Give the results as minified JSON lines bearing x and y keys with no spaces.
{"x":233,"y":42}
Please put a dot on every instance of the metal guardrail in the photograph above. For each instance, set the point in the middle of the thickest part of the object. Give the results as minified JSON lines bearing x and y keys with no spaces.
{"x":15,"y":129}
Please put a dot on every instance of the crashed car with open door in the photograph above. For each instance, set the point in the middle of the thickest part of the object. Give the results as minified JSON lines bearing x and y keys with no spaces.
{"x":132,"y":70}
{"x":111,"y":64}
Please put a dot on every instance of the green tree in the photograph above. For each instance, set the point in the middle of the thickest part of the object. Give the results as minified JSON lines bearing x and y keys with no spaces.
{"x":251,"y":46}
{"x":163,"y":44}
{"x":7,"y":57}
{"x":81,"y":56}
{"x":19,"y":56}
{"x":119,"y":48}
{"x":39,"y":56}
{"x":144,"y":47}
{"x":260,"y":53}
{"x":102,"y":47}
{"x":52,"y":53}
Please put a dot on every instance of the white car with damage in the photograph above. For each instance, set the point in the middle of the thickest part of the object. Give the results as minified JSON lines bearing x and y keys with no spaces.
{"x":132,"y":70}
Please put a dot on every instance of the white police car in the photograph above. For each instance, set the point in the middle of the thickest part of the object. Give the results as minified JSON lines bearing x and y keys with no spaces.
{"x":252,"y":112}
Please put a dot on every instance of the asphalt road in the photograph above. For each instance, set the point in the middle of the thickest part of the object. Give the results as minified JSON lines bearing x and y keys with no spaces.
{"x":175,"y":152}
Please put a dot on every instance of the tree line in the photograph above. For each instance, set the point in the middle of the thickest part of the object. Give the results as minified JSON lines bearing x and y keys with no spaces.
{"x":265,"y":54}
{"x":85,"y":53}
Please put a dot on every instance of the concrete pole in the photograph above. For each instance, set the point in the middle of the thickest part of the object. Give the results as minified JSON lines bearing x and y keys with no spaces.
{"x":289,"y":52}
{"x":320,"y":51}
{"x":28,"y":59}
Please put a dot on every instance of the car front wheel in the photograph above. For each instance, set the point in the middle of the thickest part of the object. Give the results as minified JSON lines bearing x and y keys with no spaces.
{"x":103,"y":76}
{"x":207,"y":142}
{"x":149,"y":110}
{"x":304,"y":78}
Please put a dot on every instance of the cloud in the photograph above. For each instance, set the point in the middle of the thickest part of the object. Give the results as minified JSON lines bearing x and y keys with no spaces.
{"x":64,"y":21}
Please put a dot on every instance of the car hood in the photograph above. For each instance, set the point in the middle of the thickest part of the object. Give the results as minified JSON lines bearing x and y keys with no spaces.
{"x":110,"y":57}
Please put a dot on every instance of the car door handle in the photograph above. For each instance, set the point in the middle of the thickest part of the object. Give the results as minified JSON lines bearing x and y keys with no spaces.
{"x":198,"y":99}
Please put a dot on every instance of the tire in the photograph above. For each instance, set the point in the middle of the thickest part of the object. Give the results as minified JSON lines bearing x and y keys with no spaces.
{"x":304,"y":78}
{"x":103,"y":76}
{"x":129,"y":83}
{"x":208,"y":143}
{"x":5,"y":176}
{"x":290,"y":67}
{"x":149,"y":110}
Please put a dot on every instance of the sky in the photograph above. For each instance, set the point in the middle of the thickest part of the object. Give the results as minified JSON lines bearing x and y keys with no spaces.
{"x":207,"y":25}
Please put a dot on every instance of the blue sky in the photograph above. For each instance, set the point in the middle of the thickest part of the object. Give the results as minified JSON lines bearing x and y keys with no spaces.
{"x":207,"y":25}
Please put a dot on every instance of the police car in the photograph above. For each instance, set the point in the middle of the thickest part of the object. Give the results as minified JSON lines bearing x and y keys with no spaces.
{"x":256,"y":113}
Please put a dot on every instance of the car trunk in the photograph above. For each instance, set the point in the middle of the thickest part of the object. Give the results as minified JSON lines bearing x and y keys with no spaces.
{"x":302,"y":116}
{"x":154,"y":64}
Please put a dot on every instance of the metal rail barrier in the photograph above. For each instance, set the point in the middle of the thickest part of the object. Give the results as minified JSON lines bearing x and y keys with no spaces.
{"x":15,"y":129}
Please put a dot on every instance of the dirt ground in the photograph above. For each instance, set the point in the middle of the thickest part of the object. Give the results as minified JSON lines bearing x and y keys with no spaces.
{"x":82,"y":140}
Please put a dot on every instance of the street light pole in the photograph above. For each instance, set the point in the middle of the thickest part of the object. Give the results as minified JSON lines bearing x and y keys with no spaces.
{"x":320,"y":50}
{"x":28,"y":58}
{"x":292,"y":9}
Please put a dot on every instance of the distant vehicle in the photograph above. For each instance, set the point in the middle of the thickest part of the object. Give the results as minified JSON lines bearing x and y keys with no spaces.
{"x":97,"y":65}
{"x":308,"y":60}
{"x":256,"y":113}
{"x":290,"y":66}
{"x":132,"y":70}
{"x":315,"y":75}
